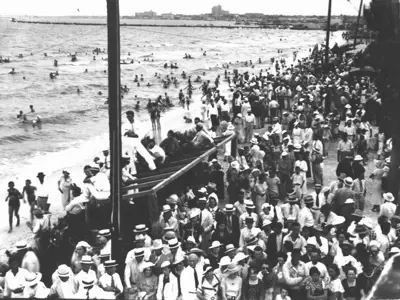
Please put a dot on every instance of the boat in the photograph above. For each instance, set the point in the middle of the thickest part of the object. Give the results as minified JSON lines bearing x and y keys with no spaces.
{"x":299,"y":27}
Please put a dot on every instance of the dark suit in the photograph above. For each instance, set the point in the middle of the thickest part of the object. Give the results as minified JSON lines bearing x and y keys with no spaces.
{"x":272,"y":248}
{"x":235,"y":230}
{"x":305,"y":258}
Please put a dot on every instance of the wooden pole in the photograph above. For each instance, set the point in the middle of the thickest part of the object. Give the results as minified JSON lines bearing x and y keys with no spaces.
{"x":114,"y":112}
{"x":358,"y":23}
{"x":328,"y":35}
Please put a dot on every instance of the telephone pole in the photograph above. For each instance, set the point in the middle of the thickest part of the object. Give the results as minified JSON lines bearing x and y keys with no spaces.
{"x":328,"y":35}
{"x":358,"y":23}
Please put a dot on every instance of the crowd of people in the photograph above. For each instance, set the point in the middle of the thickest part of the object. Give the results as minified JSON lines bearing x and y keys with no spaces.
{"x":267,"y":225}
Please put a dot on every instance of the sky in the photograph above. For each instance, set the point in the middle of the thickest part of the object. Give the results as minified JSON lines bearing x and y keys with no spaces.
{"x":129,"y":7}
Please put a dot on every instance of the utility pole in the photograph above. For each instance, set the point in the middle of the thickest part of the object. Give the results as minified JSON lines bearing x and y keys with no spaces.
{"x":358,"y":23}
{"x":328,"y":35}
{"x":114,"y":115}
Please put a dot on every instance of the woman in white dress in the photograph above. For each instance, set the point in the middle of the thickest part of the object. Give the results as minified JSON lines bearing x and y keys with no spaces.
{"x":64,"y":186}
{"x":375,"y":192}
{"x":335,"y":287}
{"x":209,"y":287}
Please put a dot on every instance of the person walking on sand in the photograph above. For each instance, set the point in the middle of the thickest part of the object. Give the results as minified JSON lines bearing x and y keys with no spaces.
{"x":42,"y":192}
{"x":30,"y":195}
{"x":13,"y":203}
{"x":64,"y":186}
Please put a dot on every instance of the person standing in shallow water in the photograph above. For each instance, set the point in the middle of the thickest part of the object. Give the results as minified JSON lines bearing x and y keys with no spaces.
{"x":13,"y":203}
{"x":30,"y":195}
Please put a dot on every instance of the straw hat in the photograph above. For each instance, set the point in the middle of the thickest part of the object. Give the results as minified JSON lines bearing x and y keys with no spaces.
{"x":64,"y":271}
{"x":207,"y":268}
{"x":178,"y":259}
{"x":229,"y":208}
{"x":229,"y":248}
{"x":86,"y":259}
{"x":146,"y":265}
{"x":32,"y":278}
{"x":140,"y":237}
{"x":141,"y":228}
{"x":388,"y":197}
{"x":215,"y":244}
{"x":194,"y":213}
{"x":394,"y":250}
{"x":251,"y":240}
{"x":88,"y":281}
{"x":308,"y":200}
{"x":105,"y":232}
{"x":266,"y":223}
{"x":169,"y":235}
{"x":349,"y":201}
{"x":173,"y":199}
{"x":21,"y":245}
{"x":358,"y":158}
{"x":110,"y":263}
{"x":348,"y":181}
{"x":284,"y":153}
{"x":230,"y":127}
{"x":203,"y":190}
{"x":157,"y":244}
{"x":254,"y":141}
{"x":249,"y":204}
{"x":139,"y":252}
{"x":166,"y":208}
{"x":174,"y":243}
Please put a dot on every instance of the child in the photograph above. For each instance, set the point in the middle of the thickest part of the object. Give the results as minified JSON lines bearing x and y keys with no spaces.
{"x":283,"y":295}
{"x":298,"y":182}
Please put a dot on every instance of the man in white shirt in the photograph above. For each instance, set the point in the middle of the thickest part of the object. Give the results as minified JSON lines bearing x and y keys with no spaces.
{"x":129,"y":127}
{"x":306,"y":218}
{"x":14,"y":280}
{"x":299,"y":242}
{"x":319,"y":201}
{"x":63,"y":283}
{"x":86,"y":272}
{"x":97,"y":187}
{"x":248,"y":231}
{"x":110,"y":282}
{"x":388,"y":209}
{"x":190,"y":278}
{"x":314,"y":262}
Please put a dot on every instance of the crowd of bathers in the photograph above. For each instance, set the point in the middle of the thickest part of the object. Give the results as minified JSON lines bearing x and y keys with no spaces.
{"x":261,"y":224}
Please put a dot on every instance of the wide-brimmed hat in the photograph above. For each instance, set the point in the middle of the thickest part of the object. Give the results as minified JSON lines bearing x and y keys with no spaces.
{"x":225,"y":261}
{"x":349,"y":201}
{"x":203,"y":190}
{"x":251,"y":240}
{"x":229,"y":248}
{"x":194,"y":213}
{"x":32,"y":278}
{"x":394,"y":250}
{"x":178,"y":259}
{"x":239,"y":257}
{"x":232,"y":268}
{"x":146,"y":265}
{"x":292,"y":198}
{"x":338,"y":220}
{"x":230,"y":127}
{"x":215,"y":244}
{"x":197,"y":251}
{"x":165,"y":264}
{"x":348,"y":181}
{"x":229,"y":208}
{"x":358,"y":158}
{"x":87,"y":259}
{"x":88,"y":281}
{"x":174,"y":243}
{"x":21,"y":245}
{"x":64,"y":271}
{"x":388,"y":197}
{"x":141,"y":228}
{"x":40,"y":174}
{"x":347,"y":106}
{"x":284,"y":153}
{"x":110,"y":263}
{"x":169,"y":235}
{"x":207,"y":268}
{"x":266,"y":223}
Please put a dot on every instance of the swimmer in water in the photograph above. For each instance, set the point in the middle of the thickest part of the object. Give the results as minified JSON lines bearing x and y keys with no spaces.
{"x":20,"y":56}
{"x":105,"y":71}
{"x":137,"y":106}
{"x":31,"y":108}
{"x":94,"y":57}
{"x":52,"y":75}
{"x":12,"y":72}
{"x":45,"y":54}
{"x":86,"y":70}
{"x":21,"y":114}
{"x":56,"y":63}
{"x":23,"y":78}
{"x":38,"y":120}
{"x":138,"y":84}
{"x":99,"y":93}
{"x":78,"y":91}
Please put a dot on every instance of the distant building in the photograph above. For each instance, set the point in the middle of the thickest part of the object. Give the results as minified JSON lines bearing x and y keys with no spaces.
{"x":146,"y":15}
{"x":218,"y":12}
{"x":167,"y":16}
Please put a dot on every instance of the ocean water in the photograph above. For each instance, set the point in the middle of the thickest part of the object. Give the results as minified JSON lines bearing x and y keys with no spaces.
{"x":75,"y":126}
